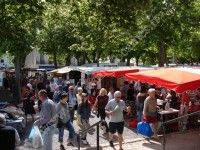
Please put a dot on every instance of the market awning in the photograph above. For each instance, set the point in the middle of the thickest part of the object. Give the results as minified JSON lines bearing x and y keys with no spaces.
{"x":172,"y":78}
{"x":114,"y":72}
{"x":53,"y":71}
{"x":64,"y":70}
{"x":88,"y":70}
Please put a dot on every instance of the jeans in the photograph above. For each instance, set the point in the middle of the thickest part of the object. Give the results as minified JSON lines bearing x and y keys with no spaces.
{"x":139,"y":116}
{"x":71,"y":130}
{"x":71,"y":112}
{"x":48,"y":137}
{"x":84,"y":126}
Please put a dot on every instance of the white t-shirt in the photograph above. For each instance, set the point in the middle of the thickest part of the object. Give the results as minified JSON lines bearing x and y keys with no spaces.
{"x":117,"y":109}
{"x":110,"y":96}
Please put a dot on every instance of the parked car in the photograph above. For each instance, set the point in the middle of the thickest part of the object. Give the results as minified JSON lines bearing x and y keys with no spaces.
{"x":16,"y":122}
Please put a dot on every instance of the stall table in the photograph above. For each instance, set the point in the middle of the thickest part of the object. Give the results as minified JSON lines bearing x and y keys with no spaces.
{"x":164,"y":113}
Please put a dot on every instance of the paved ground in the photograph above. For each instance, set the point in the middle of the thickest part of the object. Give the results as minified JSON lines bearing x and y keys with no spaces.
{"x":132,"y":141}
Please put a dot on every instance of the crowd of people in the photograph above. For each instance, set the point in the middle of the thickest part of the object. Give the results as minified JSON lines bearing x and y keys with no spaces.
{"x":61,"y":102}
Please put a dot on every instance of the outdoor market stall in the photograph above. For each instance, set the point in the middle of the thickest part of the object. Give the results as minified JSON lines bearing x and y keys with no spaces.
{"x":115,"y":76}
{"x":171,"y":78}
{"x":180,"y":80}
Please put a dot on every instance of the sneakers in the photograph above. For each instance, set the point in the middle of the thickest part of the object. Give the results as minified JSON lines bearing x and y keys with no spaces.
{"x":62,"y":147}
{"x":111,"y":144}
{"x":85,"y":142}
{"x":70,"y":144}
{"x":155,"y":136}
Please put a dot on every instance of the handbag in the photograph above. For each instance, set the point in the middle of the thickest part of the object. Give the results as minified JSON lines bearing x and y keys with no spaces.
{"x":145,"y":129}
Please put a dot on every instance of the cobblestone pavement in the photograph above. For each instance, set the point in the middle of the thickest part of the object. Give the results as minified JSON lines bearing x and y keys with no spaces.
{"x":132,"y":141}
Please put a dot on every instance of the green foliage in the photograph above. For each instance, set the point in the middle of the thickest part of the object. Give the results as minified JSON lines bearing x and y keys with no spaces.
{"x":99,"y":29}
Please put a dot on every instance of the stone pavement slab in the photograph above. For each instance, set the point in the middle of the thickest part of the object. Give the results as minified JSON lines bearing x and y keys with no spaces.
{"x":132,"y":141}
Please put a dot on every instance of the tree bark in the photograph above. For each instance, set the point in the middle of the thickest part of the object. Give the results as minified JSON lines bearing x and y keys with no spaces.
{"x":161,"y":53}
{"x":87,"y":58}
{"x":97,"y":57}
{"x":17,"y":63}
{"x":55,"y":60}
{"x":67,"y":59}
{"x":128,"y":62}
{"x":112,"y":58}
{"x":137,"y":61}
{"x":83,"y":59}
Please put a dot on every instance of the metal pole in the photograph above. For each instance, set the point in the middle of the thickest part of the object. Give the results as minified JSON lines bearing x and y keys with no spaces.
{"x":164,"y":138}
{"x":163,"y":126}
{"x":79,"y":141}
{"x":97,"y":136}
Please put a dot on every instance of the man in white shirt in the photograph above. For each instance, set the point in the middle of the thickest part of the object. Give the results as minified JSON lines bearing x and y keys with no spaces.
{"x":114,"y":109}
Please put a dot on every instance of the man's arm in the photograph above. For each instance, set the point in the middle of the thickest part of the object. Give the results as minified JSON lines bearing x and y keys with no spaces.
{"x":45,"y":116}
{"x":108,"y":110}
{"x":145,"y":108}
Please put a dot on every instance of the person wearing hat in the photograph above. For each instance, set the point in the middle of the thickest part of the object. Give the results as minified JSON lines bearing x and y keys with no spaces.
{"x":9,"y":137}
{"x":64,"y":121}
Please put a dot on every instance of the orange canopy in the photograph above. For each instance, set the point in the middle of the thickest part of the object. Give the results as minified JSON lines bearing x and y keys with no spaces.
{"x":114,"y":72}
{"x":174,"y":79}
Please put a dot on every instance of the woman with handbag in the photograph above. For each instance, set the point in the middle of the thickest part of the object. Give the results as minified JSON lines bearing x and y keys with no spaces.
{"x":64,"y":121}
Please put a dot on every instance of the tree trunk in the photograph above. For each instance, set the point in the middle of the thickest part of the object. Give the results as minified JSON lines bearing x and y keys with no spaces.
{"x":97,"y":57}
{"x":128,"y":62}
{"x":83,"y":59}
{"x":161,"y":53}
{"x":55,"y":60}
{"x":123,"y":59}
{"x":137,"y":61}
{"x":18,"y":77}
{"x":87,"y":58}
{"x":67,"y":59}
{"x":112,"y":58}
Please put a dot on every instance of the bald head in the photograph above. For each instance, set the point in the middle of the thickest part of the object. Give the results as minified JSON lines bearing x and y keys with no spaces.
{"x":152,"y":92}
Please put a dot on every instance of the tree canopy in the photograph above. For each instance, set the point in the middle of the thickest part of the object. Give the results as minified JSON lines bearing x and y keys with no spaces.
{"x":150,"y":31}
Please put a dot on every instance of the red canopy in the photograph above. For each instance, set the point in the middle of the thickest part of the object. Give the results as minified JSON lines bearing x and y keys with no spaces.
{"x":174,"y":79}
{"x":114,"y":72}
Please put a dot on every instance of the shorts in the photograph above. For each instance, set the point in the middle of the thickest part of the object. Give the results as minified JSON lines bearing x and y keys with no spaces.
{"x":150,"y":119}
{"x":116,"y":127}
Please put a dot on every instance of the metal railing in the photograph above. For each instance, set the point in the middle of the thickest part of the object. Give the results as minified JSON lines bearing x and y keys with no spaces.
{"x":172,"y":121}
{"x":85,"y":131}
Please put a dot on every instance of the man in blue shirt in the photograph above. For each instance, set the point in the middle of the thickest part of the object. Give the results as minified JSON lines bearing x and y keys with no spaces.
{"x":72,"y":102}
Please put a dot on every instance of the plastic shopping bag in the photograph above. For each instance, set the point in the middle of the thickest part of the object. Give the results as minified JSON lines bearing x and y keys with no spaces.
{"x":145,"y":129}
{"x":35,"y":137}
{"x":107,"y":119}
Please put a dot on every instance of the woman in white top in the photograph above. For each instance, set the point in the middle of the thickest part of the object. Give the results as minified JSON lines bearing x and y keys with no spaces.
{"x":111,"y":93}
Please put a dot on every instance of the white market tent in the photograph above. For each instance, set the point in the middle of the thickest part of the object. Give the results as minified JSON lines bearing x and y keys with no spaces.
{"x":90,"y":70}
{"x":190,"y":69}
